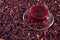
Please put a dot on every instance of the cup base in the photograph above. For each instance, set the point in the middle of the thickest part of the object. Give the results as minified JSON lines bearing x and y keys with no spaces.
{"x":40,"y":25}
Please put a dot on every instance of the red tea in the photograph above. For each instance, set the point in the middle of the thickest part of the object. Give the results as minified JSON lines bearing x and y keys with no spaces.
{"x":38,"y":13}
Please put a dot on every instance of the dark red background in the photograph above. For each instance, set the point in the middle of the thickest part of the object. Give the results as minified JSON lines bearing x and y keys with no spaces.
{"x":12,"y":26}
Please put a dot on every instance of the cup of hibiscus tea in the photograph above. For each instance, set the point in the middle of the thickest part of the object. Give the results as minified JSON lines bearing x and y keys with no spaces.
{"x":38,"y":17}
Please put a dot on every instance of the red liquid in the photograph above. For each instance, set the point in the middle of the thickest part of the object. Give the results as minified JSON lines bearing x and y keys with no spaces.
{"x":38,"y":13}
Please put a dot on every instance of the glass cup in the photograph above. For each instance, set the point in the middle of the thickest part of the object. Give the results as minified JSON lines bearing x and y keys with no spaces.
{"x":38,"y":17}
